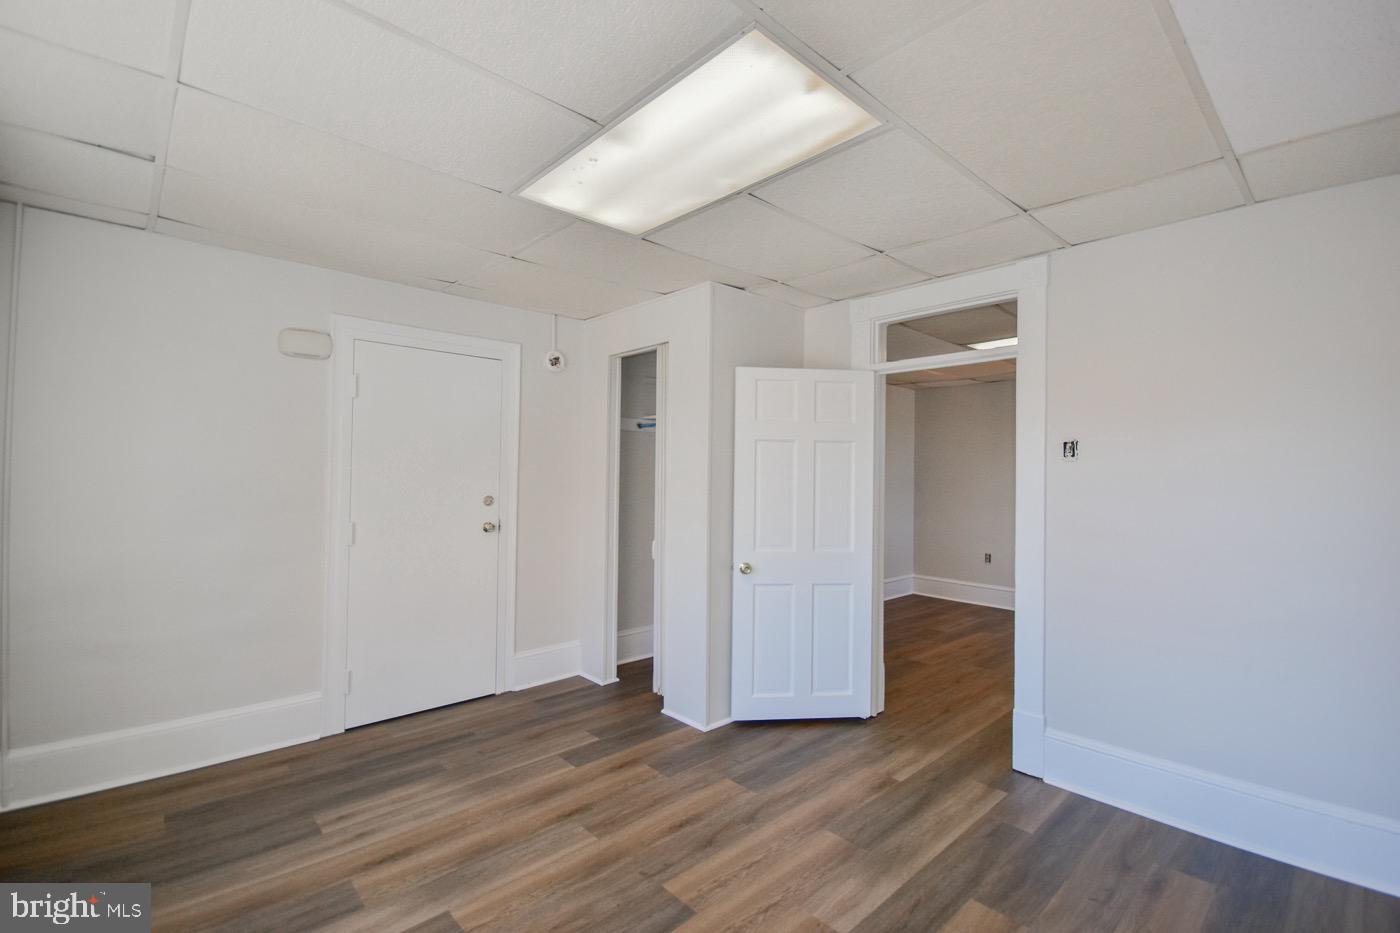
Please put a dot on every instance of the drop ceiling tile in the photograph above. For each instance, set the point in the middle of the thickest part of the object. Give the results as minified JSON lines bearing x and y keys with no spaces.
{"x":862,"y":277}
{"x":615,"y":257}
{"x":887,"y":192}
{"x":1203,"y":189}
{"x":847,"y":33}
{"x":30,"y":159}
{"x":957,"y":329}
{"x":1003,"y":241}
{"x":246,"y":213}
{"x":1049,"y":100}
{"x":326,"y":67}
{"x":593,"y":57}
{"x":523,"y":284}
{"x":1281,"y":71}
{"x":789,"y":295}
{"x":365,"y":268}
{"x":130,"y":32}
{"x":220,"y":139}
{"x":74,"y":95}
{"x":1337,"y":158}
{"x":747,"y":234}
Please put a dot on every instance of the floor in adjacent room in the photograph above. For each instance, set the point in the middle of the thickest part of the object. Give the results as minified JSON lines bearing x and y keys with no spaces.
{"x":577,"y":807}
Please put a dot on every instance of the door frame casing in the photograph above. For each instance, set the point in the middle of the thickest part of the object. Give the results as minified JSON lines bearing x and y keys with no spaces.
{"x":345,"y":330}
{"x":614,"y":503}
{"x":1025,"y":282}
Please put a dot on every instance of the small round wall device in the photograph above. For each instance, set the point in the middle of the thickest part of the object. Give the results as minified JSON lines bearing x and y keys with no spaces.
{"x":554,"y":361}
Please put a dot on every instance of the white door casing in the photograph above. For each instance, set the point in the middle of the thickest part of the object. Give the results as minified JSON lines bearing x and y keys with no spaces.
{"x":421,"y":601}
{"x":804,"y":481}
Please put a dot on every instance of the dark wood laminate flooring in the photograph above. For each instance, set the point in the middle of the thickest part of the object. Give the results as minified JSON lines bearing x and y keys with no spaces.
{"x":577,"y":807}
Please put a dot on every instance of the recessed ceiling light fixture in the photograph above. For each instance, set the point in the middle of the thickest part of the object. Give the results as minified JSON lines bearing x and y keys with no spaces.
{"x":993,"y":344}
{"x":746,"y":113}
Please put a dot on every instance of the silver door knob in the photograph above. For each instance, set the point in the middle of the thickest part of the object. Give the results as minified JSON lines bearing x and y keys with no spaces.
{"x":746,"y":568}
{"x":488,"y":527}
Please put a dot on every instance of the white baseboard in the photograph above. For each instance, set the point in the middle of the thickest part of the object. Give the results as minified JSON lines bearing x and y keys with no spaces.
{"x":545,"y":665}
{"x":1358,"y":847}
{"x":899,"y":586}
{"x":1028,"y":743}
{"x":40,"y":773}
{"x":693,"y":724}
{"x":979,"y":594}
{"x":633,"y":644}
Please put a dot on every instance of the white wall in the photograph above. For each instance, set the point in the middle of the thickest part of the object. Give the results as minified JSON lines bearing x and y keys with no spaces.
{"x":826,"y":336}
{"x":965,"y":483}
{"x":169,"y":485}
{"x":636,"y":525}
{"x":899,"y":482}
{"x":1222,"y":585}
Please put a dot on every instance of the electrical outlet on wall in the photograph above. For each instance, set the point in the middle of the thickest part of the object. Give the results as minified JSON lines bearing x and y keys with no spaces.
{"x":986,"y":558}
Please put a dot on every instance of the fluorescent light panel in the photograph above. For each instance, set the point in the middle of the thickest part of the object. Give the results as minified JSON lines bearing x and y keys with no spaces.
{"x":747,"y":113}
{"x":993,"y":344}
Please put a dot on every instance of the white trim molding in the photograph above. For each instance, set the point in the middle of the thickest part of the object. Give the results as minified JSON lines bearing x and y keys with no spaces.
{"x":896,"y":587}
{"x":345,"y":330}
{"x":55,"y":770}
{"x":1358,"y":847}
{"x":964,"y":591}
{"x":1026,"y":282}
{"x":695,"y":725}
{"x":545,"y":665}
{"x":633,"y":644}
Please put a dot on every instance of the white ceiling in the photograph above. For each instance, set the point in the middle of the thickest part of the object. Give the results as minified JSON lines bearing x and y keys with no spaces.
{"x":386,"y":137}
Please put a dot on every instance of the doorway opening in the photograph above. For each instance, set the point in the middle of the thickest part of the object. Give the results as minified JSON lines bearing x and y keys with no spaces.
{"x":637,"y":474}
{"x":981,"y":329}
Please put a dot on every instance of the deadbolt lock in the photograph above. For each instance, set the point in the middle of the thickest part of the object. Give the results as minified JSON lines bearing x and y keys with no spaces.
{"x":488,"y":500}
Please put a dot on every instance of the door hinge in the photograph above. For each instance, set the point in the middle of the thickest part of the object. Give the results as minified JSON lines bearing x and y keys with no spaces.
{"x":349,"y":534}
{"x":354,"y":385}
{"x":349,"y":680}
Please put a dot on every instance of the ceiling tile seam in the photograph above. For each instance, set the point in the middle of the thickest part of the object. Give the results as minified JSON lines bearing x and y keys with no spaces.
{"x":881,"y":111}
{"x":169,"y":87}
{"x":937,"y":24}
{"x":352,"y":142}
{"x":32,"y":197}
{"x":85,"y":54}
{"x":1299,"y":139}
{"x":140,"y":156}
{"x":1176,"y":38}
{"x":393,"y":29}
{"x":1128,"y":187}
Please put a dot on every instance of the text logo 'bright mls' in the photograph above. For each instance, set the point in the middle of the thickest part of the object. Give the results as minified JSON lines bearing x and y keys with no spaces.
{"x":114,"y":907}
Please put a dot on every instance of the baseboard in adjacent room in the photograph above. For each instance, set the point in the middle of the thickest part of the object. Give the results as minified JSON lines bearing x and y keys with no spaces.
{"x":55,"y":770}
{"x":962,"y":591}
{"x":545,"y":665}
{"x":899,"y":586}
{"x":1358,"y":847}
{"x":633,"y":644}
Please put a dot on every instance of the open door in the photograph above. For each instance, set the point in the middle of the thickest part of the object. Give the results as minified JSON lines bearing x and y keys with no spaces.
{"x":804,"y":545}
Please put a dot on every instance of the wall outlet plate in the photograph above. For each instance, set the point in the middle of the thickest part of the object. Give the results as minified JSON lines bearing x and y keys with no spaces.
{"x":1069,"y":450}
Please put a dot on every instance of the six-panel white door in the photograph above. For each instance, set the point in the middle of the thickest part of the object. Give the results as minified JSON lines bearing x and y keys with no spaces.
{"x":804,"y":466}
{"x":422,"y":589}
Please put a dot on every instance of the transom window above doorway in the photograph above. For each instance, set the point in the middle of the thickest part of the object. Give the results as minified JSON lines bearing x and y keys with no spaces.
{"x":985,"y":327}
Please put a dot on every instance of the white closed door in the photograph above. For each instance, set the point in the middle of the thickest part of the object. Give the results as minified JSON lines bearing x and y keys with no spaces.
{"x":424,"y":481}
{"x":804,"y":480}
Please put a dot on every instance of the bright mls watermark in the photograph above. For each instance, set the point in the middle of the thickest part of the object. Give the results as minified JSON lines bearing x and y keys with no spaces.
{"x":116,"y":907}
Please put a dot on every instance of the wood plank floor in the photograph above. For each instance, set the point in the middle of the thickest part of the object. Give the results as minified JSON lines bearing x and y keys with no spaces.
{"x":577,"y":807}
